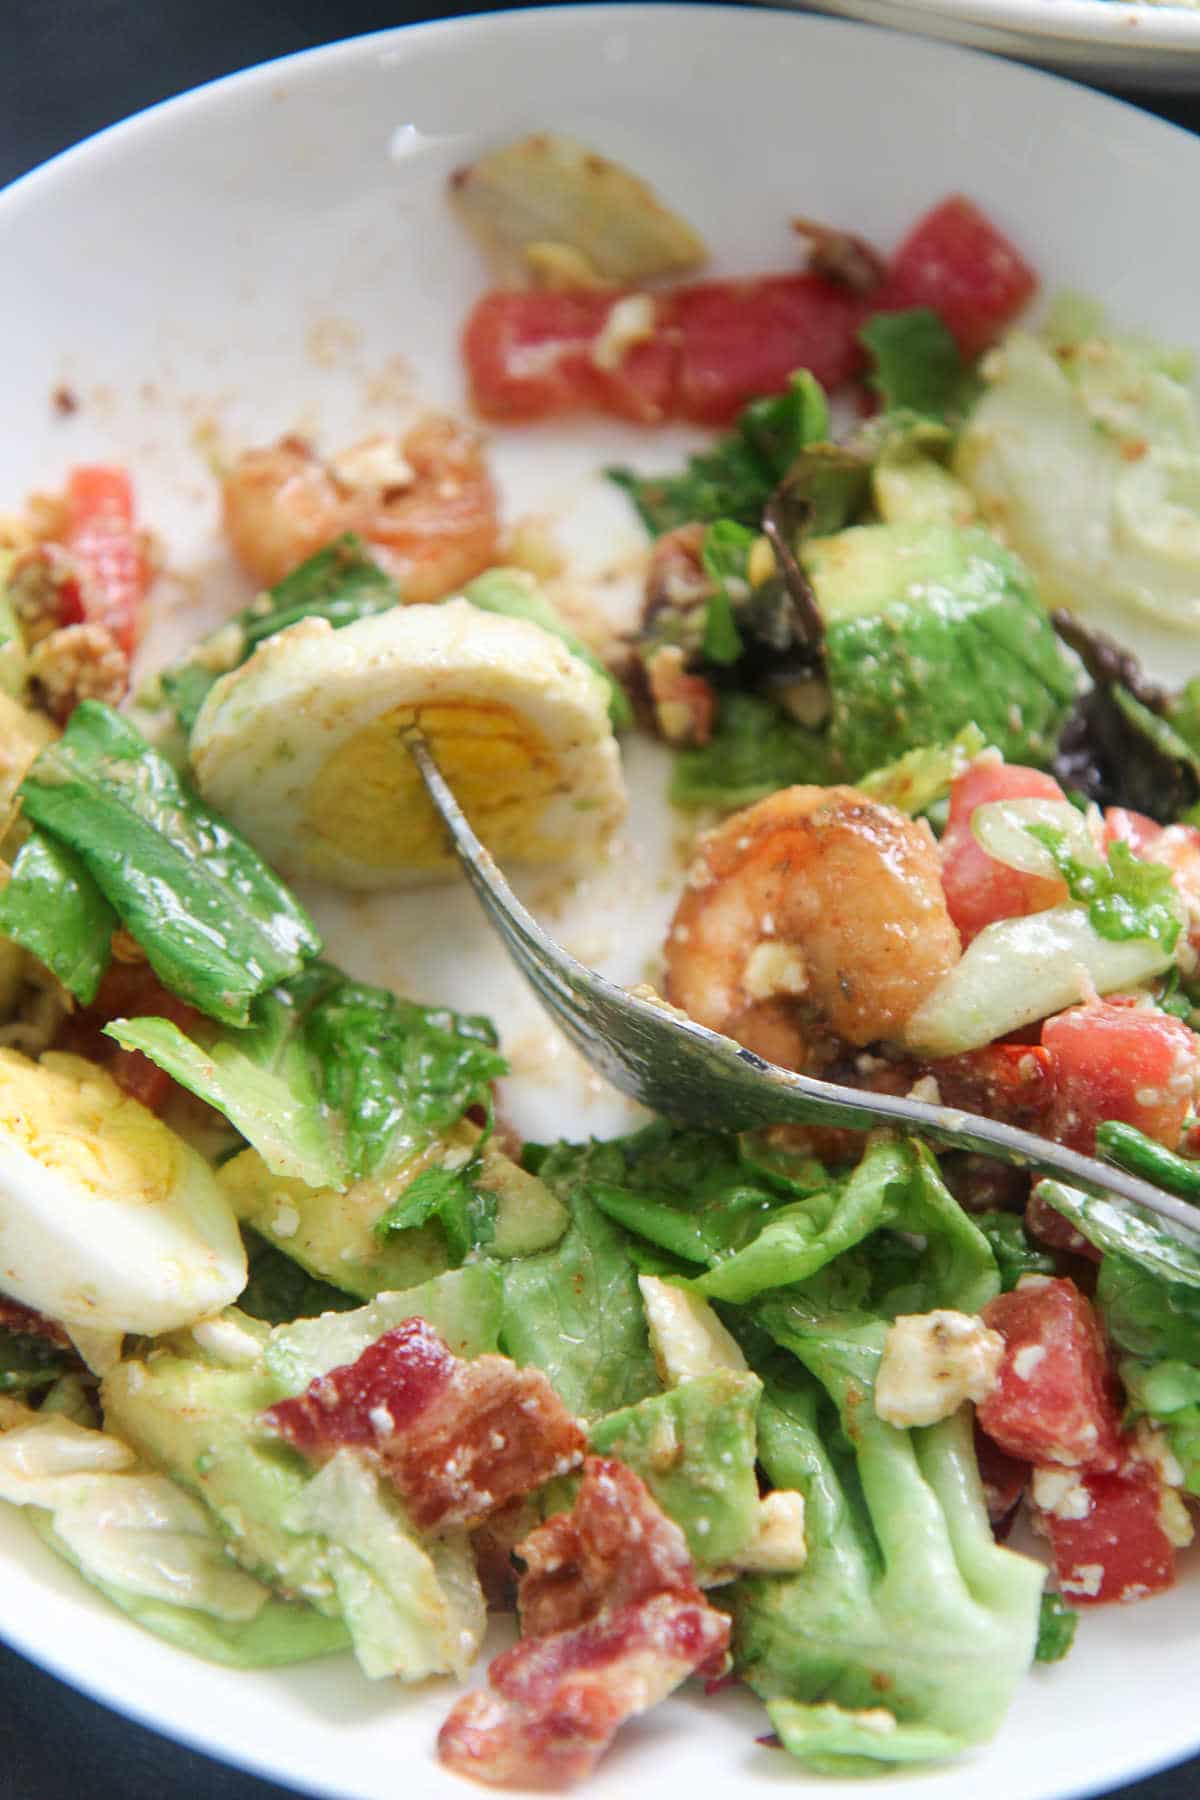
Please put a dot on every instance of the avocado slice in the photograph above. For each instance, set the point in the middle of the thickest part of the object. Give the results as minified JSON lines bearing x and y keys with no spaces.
{"x":930,"y":627}
{"x":333,"y":1235}
{"x":695,"y":1448}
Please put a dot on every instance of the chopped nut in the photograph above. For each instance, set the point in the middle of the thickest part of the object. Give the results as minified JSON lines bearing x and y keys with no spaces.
{"x":78,"y":662}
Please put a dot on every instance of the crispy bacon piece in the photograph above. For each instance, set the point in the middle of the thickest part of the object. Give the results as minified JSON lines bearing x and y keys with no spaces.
{"x":612,"y":1549}
{"x":456,"y":1439}
{"x":613,"y":1622}
{"x":553,"y":1705}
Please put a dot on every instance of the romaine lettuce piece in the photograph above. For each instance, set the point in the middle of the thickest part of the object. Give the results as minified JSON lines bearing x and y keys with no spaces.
{"x":695,"y":1194}
{"x":340,"y":583}
{"x":334,"y":1081}
{"x":734,"y":479}
{"x":217,"y":926}
{"x":343,"y":1541}
{"x":52,"y":908}
{"x":897,"y":1185}
{"x":149,"y":1547}
{"x":906,"y":1602}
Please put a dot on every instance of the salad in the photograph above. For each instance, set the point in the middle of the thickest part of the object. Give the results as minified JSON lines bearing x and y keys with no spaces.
{"x":303,"y":1350}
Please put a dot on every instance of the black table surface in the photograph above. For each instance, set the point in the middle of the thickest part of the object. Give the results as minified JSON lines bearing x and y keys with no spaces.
{"x":67,"y":68}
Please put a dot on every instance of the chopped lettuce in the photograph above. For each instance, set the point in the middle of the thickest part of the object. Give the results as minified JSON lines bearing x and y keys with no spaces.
{"x":695,"y":1194}
{"x":1056,"y":1629}
{"x":465,"y":1208}
{"x":152,"y":1549}
{"x":217,"y":926}
{"x":334,"y":1081}
{"x":340,"y":583}
{"x":52,"y":907}
{"x":1144,"y":1314}
{"x":734,"y":479}
{"x":1128,"y":1231}
{"x":896,"y":1186}
{"x":1125,"y":896}
{"x":755,"y":750}
{"x":1015,"y":1251}
{"x":906,"y":1603}
{"x":575,"y":1311}
{"x":725,"y":554}
{"x":917,"y":364}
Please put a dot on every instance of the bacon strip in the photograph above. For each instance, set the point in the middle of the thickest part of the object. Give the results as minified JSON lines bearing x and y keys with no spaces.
{"x":457,"y":1440}
{"x":615,"y":1547}
{"x":614,"y":1623}
{"x":14,"y":1316}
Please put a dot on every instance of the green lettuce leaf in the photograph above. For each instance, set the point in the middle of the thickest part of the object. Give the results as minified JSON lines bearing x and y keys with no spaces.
{"x":754,"y":751}
{"x":53,"y":908}
{"x":1146,"y":1315}
{"x":279,"y":1290}
{"x":465,"y":1209}
{"x":217,"y":926}
{"x":1128,"y":1231}
{"x":916,"y":362}
{"x":334,"y":1080}
{"x":575,"y":1311}
{"x":1015,"y":1251}
{"x":905,"y":1602}
{"x":734,"y":479}
{"x":340,"y":583}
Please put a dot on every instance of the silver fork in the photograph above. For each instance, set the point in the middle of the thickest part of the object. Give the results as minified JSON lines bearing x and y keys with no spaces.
{"x":697,"y":1077}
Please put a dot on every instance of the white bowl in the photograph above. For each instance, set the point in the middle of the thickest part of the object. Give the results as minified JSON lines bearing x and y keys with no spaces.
{"x":1137,"y":45}
{"x":258,"y":255}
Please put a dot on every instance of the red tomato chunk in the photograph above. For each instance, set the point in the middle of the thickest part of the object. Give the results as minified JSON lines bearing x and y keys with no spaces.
{"x":1118,"y":1549}
{"x":127,"y":991}
{"x":700,"y":352}
{"x":980,"y":890}
{"x":1120,"y":1061}
{"x":955,"y":261}
{"x":105,"y":547}
{"x":1054,"y":1400}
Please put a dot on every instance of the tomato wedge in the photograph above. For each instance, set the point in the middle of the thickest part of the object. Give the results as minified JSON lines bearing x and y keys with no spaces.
{"x":112,"y":572}
{"x":1114,"y":1060}
{"x":128,"y":990}
{"x":1117,"y":1548}
{"x":979,"y":890}
{"x":955,"y":261}
{"x":1054,"y":1399}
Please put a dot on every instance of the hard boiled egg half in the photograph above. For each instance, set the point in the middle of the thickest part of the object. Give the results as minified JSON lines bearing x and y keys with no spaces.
{"x":109,"y":1222}
{"x":303,"y":747}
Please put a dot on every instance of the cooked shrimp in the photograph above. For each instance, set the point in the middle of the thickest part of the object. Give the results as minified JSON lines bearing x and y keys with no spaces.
{"x":814,"y":918}
{"x":425,"y":504}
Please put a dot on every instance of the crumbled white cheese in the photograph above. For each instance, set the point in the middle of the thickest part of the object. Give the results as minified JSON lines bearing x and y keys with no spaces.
{"x":773,"y":968}
{"x":1086,"y":1580}
{"x":629,"y":323}
{"x":927,"y":1089}
{"x":778,"y":1544}
{"x":1028,"y":1359}
{"x":373,"y":466}
{"x":931,"y":1363}
{"x":1061,"y":1492}
{"x":285,"y":1221}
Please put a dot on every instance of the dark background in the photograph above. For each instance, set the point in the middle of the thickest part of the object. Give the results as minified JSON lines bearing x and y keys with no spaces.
{"x":67,"y":68}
